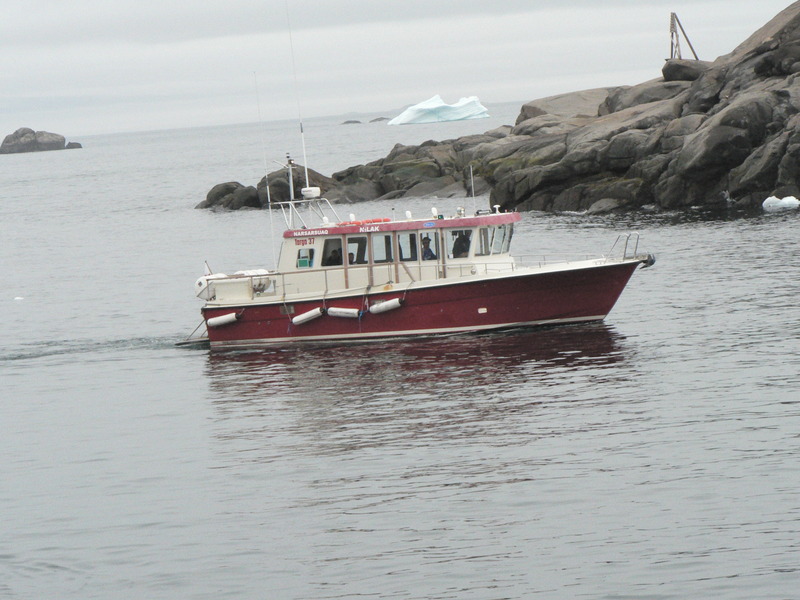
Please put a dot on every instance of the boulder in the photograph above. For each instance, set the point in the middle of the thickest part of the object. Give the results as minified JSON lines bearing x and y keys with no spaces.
{"x":404,"y":175}
{"x":681,"y":69}
{"x":478,"y":186}
{"x":279,"y":184}
{"x":361,"y":191}
{"x":649,"y":91}
{"x":435,"y":187}
{"x":757,"y":175}
{"x":220,"y":195}
{"x":431,"y":168}
{"x":244,"y":197}
{"x":713,"y":151}
{"x":605,"y":205}
{"x":574,"y":104}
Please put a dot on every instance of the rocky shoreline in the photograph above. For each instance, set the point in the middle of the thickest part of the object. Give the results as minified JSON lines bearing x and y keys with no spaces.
{"x":702,"y":134}
{"x":25,"y":139}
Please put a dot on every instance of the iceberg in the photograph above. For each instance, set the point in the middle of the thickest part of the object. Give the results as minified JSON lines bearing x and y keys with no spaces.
{"x":435,"y":110}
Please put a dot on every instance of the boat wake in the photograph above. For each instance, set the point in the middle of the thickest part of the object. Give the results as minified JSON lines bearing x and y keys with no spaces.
{"x":54,"y":348}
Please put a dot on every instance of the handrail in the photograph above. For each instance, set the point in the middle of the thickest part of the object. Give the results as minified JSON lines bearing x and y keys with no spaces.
{"x":626,"y":239}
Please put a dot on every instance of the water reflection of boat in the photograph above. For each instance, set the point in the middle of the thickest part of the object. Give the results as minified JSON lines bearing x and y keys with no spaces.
{"x":491,"y":389}
{"x":420,"y":366}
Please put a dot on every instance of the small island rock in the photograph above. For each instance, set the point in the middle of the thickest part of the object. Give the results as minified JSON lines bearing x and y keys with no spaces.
{"x":232,"y":195}
{"x":25,"y":139}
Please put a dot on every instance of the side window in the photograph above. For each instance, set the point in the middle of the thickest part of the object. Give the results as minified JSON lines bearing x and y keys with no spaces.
{"x":381,"y":247}
{"x":484,"y":247}
{"x":429,"y":242}
{"x":460,"y":240}
{"x":407,"y":246}
{"x":357,"y":250}
{"x":499,"y":240}
{"x":509,"y":233}
{"x":305,"y":258}
{"x":332,"y":253}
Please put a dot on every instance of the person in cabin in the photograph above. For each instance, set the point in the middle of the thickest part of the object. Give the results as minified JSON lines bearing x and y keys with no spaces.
{"x":427,"y":253}
{"x":351,"y":259}
{"x":335,"y":258}
{"x":461,"y":246}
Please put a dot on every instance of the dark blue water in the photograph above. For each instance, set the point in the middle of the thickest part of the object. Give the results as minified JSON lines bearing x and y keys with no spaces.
{"x":650,"y":456}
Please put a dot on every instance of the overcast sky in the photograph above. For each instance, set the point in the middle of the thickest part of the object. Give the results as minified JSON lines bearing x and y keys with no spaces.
{"x":81,"y":67}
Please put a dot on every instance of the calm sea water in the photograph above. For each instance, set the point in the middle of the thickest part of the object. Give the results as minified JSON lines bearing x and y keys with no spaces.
{"x":653,"y":456}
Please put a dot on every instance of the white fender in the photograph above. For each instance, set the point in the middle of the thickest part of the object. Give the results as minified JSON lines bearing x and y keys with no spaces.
{"x":307,"y":316}
{"x":381,"y":307}
{"x":222,"y":320}
{"x":350,"y":313}
{"x":774,"y":203}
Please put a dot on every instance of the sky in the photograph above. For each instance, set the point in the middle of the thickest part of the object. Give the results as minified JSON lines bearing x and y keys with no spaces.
{"x":88,"y":67}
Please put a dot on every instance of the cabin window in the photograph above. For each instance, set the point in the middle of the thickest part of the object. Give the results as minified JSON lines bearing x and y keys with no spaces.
{"x":509,"y":234}
{"x":429,"y":244}
{"x":381,"y":247}
{"x":357,"y":250}
{"x":484,"y":243}
{"x":305,"y":258}
{"x":459,"y":242}
{"x":332,"y":253}
{"x":502,"y":239}
{"x":407,"y":246}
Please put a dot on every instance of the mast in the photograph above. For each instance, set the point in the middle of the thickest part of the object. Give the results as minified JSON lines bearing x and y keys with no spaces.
{"x":296,"y":93}
{"x":292,"y":209}
{"x":266,"y":177}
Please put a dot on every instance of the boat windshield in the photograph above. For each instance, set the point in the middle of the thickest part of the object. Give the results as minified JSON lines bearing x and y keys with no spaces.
{"x":493,"y":240}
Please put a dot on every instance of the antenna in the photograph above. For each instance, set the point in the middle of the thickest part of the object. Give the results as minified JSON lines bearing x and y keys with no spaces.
{"x":266,"y":176}
{"x":296,"y":94}
{"x":472,"y":188}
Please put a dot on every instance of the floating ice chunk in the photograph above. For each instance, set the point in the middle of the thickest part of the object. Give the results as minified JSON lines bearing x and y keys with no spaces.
{"x":435,"y":110}
{"x":774,"y":203}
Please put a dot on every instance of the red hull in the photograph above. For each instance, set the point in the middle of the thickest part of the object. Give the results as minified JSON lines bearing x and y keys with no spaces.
{"x":566,"y":296}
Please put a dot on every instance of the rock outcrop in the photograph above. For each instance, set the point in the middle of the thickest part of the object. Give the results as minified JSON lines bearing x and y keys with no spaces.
{"x":703,"y":133}
{"x":28,"y":140}
{"x":232,"y":195}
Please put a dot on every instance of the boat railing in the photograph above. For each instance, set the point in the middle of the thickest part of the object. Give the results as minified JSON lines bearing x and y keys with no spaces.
{"x":625,"y":246}
{"x":368,"y":276}
{"x":546,"y":260}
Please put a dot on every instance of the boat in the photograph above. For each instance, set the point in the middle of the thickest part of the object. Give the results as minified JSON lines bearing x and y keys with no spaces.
{"x":360,"y":280}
